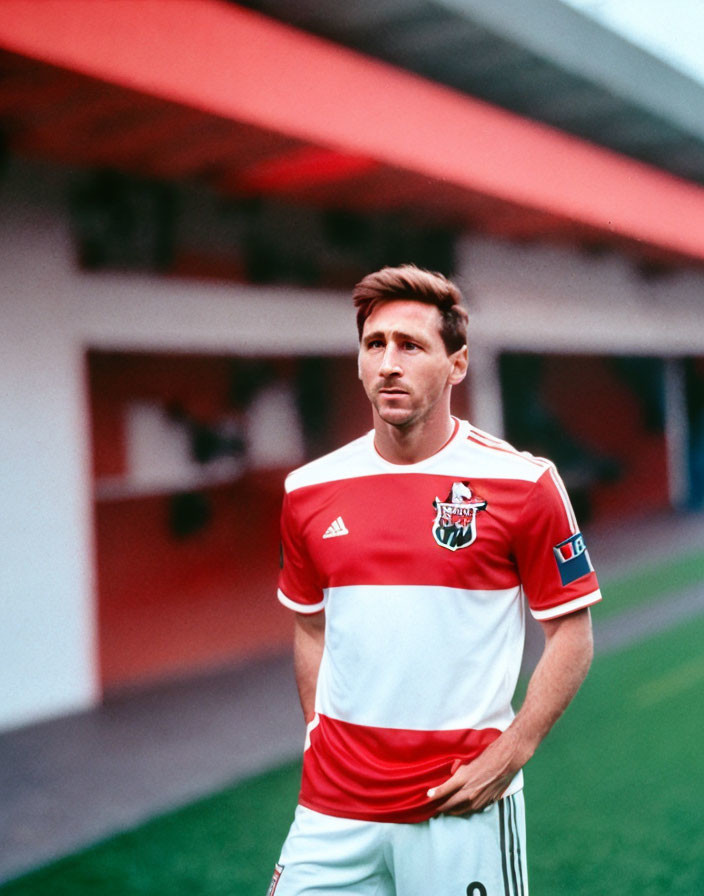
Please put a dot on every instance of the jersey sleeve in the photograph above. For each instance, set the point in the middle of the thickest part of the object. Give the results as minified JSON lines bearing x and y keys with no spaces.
{"x":298,"y":587}
{"x":552,"y":558}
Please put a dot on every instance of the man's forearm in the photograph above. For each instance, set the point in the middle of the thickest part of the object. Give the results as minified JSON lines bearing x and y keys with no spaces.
{"x":308,"y":644}
{"x":562,"y":668}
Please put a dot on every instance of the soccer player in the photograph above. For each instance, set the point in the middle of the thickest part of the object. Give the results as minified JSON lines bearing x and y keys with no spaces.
{"x":409,"y":556}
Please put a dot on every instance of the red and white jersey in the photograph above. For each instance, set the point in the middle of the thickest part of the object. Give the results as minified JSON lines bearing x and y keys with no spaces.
{"x":422,"y":570}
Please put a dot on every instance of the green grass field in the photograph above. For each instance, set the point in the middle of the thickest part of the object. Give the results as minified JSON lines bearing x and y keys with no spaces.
{"x":614,"y":794}
{"x":614,"y":802}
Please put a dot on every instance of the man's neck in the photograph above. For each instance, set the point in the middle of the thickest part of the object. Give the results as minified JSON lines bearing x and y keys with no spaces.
{"x":410,"y":445}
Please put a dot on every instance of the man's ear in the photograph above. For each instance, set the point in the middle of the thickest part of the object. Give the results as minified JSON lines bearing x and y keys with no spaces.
{"x":459,"y":361}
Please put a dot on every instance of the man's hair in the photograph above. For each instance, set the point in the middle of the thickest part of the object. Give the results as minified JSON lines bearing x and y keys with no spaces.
{"x":415,"y":284}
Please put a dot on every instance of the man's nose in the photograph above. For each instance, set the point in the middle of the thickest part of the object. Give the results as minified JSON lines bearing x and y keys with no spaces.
{"x":390,"y":363}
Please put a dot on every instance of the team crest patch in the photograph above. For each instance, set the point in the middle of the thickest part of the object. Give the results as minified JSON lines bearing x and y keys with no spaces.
{"x":455,"y":524}
{"x":275,"y":880}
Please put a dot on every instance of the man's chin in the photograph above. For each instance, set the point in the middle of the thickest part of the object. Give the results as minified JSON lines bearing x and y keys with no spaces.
{"x":395,"y":416}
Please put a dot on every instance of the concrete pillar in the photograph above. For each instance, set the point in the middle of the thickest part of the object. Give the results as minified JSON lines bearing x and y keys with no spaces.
{"x":484,"y":384}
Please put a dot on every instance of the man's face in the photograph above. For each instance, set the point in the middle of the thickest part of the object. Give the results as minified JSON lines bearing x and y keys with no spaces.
{"x":403,"y":363}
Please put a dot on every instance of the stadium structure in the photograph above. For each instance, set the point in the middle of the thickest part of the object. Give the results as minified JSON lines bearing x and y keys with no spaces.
{"x":189,"y":190}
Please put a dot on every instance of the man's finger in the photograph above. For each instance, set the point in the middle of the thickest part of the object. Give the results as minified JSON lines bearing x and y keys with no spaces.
{"x":440,"y":791}
{"x":447,"y":788}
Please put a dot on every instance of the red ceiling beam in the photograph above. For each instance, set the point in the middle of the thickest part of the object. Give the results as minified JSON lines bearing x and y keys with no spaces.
{"x":307,"y":166}
{"x":236,"y":64}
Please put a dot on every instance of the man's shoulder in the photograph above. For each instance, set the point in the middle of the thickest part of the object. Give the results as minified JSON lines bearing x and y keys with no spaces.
{"x":349,"y":460}
{"x":500,"y":458}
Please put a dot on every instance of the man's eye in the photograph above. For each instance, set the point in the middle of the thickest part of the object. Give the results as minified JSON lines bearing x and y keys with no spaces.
{"x":410,"y":346}
{"x":375,"y":343}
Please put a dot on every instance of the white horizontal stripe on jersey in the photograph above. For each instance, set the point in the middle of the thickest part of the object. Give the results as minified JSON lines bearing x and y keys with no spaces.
{"x":421,"y":657}
{"x":354,"y":456}
{"x":579,"y":603}
{"x":298,"y":607}
{"x":463,"y":457}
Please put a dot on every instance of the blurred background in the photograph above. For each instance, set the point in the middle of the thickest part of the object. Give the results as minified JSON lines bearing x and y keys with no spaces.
{"x":188,"y":191}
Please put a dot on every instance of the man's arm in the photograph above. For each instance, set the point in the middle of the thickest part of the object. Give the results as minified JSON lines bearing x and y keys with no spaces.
{"x":556,"y":679}
{"x":308,"y":643}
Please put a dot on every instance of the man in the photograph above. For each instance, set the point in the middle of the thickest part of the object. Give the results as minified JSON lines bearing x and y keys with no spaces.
{"x":408,"y":556}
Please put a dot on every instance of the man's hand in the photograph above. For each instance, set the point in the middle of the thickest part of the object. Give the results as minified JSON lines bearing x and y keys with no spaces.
{"x":472,"y":787}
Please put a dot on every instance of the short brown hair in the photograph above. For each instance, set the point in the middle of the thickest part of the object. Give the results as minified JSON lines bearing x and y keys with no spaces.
{"x":415,"y":284}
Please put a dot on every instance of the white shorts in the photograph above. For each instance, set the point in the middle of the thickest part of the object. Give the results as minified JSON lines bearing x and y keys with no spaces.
{"x":472,"y":855}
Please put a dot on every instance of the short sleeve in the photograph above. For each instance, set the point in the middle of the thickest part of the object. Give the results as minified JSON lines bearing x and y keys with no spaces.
{"x":298,"y":588}
{"x":552,"y":558}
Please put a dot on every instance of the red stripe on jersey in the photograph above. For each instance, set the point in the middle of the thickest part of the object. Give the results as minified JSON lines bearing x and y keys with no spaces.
{"x":389,"y":539}
{"x":382,"y":774}
{"x":479,"y":438}
{"x":494,"y":441}
{"x":562,"y":491}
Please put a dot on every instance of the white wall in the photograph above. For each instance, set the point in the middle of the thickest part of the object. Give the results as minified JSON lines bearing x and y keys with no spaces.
{"x":50,"y":314}
{"x":533,"y":297}
{"x":46,"y":608}
{"x":555,"y":299}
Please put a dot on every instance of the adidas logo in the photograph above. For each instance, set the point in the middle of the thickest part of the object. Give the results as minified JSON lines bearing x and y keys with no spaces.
{"x":336,"y":527}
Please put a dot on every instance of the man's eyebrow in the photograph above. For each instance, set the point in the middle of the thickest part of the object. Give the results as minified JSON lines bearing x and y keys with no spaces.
{"x":395,"y":334}
{"x":377,"y":334}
